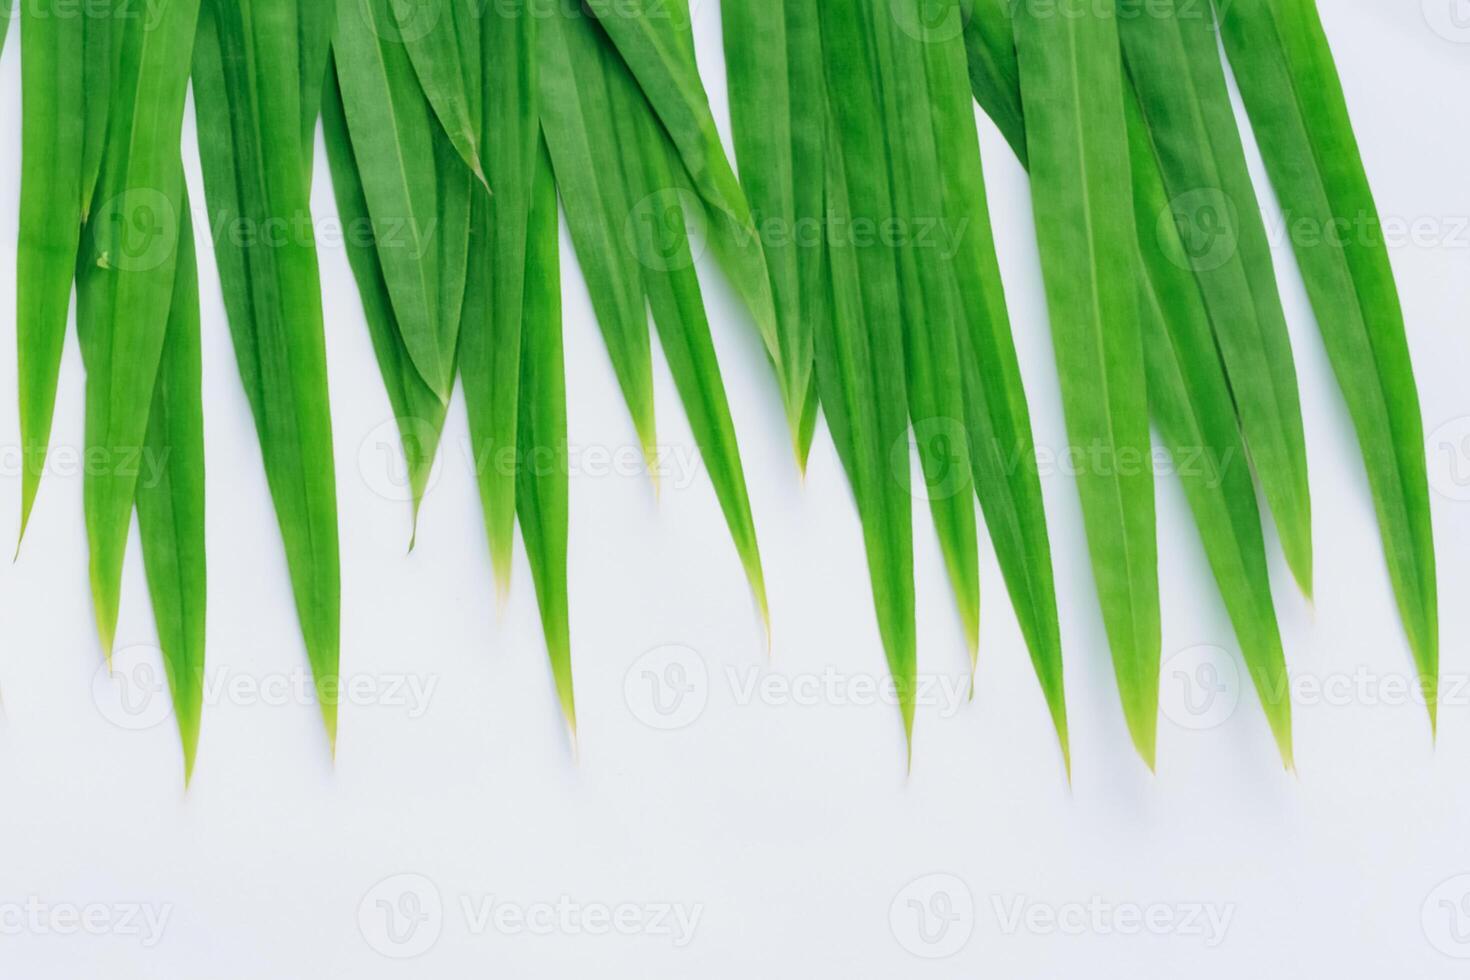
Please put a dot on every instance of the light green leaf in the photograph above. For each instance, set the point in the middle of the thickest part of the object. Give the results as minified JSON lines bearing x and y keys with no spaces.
{"x":541,"y":439}
{"x":490,"y":358}
{"x":1072,"y":95}
{"x":860,"y":348}
{"x":773,"y":59}
{"x":54,"y":104}
{"x":587,"y":160}
{"x":418,"y":411}
{"x":678,"y":313}
{"x":252,"y":111}
{"x":1296,"y":106}
{"x":171,"y":500}
{"x":126,"y":280}
{"x":1189,"y":397}
{"x":1173,"y":61}
{"x":443,"y":41}
{"x":413,"y":207}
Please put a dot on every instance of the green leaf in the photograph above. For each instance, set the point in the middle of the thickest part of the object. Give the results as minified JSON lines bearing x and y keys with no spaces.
{"x":54,"y":107}
{"x":1189,"y":396}
{"x":930,"y":310}
{"x":860,"y":347}
{"x":443,"y":41}
{"x":1072,"y":95}
{"x":415,"y":206}
{"x":490,"y":358}
{"x":1190,"y":400}
{"x":1174,"y":62}
{"x":171,"y":500}
{"x":1294,"y":98}
{"x":678,"y":313}
{"x":654,"y":39}
{"x":773,"y":59}
{"x":587,"y":161}
{"x":998,"y":422}
{"x":126,"y":281}
{"x":252,"y":107}
{"x":419,"y":412}
{"x":541,"y":438}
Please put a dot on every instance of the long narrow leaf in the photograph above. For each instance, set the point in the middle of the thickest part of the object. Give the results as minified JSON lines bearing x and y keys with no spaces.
{"x":52,"y":189}
{"x":860,"y":349}
{"x":414,"y":208}
{"x":253,"y":117}
{"x":490,"y":361}
{"x":418,"y":411}
{"x":575,"y":107}
{"x":1174,"y":65}
{"x":541,"y":439}
{"x":773,"y":57}
{"x":1296,"y":106}
{"x":1072,"y":95}
{"x":171,"y":501}
{"x":127,"y":280}
{"x":1189,"y":396}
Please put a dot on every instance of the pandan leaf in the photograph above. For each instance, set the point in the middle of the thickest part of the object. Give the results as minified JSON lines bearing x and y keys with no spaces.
{"x":541,"y":438}
{"x":678,"y":313}
{"x":490,"y":358}
{"x":587,"y":161}
{"x":414,"y":204}
{"x":254,"y":111}
{"x":171,"y":500}
{"x":1072,"y":95}
{"x":1002,"y":449}
{"x":1174,"y":63}
{"x":419,"y":412}
{"x":930,"y":308}
{"x":860,"y":348}
{"x":126,"y":280}
{"x":1190,"y":400}
{"x":1189,"y":396}
{"x":773,"y":59}
{"x":54,"y":111}
{"x":1294,"y":98}
{"x":443,"y":41}
{"x":654,"y":39}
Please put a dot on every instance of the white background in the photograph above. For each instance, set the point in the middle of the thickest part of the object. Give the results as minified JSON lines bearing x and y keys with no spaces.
{"x":784,"y":821}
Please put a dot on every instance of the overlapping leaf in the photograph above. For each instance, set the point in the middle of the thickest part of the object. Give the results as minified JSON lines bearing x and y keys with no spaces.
{"x":126,"y":280}
{"x":1295,"y":102}
{"x":259,"y":67}
{"x":1072,"y":96}
{"x":623,"y":194}
{"x":1175,"y":69}
{"x":1189,"y":397}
